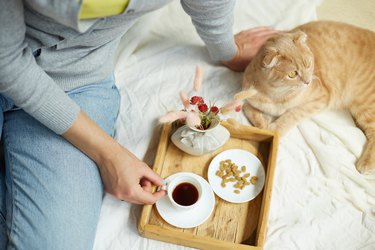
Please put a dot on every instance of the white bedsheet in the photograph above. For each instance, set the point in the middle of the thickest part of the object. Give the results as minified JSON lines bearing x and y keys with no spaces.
{"x":319,"y":201}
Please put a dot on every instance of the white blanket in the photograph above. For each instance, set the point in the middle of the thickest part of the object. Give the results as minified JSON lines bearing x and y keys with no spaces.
{"x":319,"y":200}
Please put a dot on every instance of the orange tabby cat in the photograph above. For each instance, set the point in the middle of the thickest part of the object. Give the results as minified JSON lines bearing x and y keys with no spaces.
{"x":316,"y":66}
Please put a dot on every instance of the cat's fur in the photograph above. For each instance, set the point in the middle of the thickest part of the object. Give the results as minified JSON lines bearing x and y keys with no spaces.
{"x":335,"y":65}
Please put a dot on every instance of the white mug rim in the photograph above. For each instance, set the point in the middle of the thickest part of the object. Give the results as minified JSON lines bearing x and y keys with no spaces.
{"x":170,"y":186}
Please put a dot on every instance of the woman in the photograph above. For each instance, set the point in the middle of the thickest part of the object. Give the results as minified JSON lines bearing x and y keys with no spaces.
{"x":59,"y":103}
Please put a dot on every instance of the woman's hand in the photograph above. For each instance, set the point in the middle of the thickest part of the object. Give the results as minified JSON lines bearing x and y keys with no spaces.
{"x":127,"y":178}
{"x":248,"y":43}
{"x":123,"y":174}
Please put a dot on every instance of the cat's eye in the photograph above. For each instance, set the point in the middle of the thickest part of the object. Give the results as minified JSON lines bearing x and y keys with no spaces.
{"x":292,"y":74}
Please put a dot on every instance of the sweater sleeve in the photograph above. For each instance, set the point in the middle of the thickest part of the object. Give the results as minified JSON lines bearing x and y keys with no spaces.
{"x":213,"y":21}
{"x":21,"y":78}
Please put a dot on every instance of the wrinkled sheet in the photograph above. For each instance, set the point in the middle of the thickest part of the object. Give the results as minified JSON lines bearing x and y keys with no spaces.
{"x":319,"y":201}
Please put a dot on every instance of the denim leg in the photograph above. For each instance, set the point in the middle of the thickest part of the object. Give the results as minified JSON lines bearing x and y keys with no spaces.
{"x":54,"y":192}
{"x":5,"y":105}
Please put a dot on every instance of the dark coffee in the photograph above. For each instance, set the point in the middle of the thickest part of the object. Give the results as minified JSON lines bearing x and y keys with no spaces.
{"x":185,"y":194}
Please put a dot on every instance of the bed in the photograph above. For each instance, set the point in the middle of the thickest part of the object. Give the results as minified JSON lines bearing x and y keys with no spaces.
{"x":319,"y":200}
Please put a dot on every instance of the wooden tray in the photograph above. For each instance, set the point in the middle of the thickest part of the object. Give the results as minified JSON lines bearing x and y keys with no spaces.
{"x":230,"y":226}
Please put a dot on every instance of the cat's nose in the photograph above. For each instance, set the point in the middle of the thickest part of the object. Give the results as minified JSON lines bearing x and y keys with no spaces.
{"x":307,"y":82}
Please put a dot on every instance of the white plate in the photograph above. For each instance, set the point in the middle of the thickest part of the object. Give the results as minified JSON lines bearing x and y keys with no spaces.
{"x":240,"y":158}
{"x":188,"y":218}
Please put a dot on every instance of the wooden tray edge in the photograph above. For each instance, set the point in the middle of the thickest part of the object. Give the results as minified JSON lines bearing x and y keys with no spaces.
{"x":200,"y":242}
{"x":161,"y":151}
{"x":266,"y":202}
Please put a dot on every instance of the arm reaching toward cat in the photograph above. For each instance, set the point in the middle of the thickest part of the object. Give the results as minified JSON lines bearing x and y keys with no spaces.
{"x":248,"y":43}
{"x":213,"y":21}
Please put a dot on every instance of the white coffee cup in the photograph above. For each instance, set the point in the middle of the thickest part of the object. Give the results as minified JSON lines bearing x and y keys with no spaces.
{"x":184,"y":190}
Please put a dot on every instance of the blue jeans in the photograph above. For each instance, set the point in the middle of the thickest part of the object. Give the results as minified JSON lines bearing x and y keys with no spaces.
{"x":50,"y":192}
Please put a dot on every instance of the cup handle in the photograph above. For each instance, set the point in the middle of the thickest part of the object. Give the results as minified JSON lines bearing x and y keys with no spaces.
{"x":164,"y":187}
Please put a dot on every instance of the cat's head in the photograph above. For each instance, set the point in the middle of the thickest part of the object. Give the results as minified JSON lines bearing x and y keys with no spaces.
{"x":284,"y":64}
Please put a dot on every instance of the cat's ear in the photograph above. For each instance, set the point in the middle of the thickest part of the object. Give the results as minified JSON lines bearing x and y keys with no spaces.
{"x":270,"y":58}
{"x":299,"y":37}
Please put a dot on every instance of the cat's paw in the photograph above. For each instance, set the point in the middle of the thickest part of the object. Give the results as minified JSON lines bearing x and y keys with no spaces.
{"x":365,"y":165}
{"x":258,"y":124}
{"x":274,"y":126}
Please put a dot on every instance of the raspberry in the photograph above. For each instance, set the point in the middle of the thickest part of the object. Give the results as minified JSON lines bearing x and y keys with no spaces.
{"x":238,"y":108}
{"x":214,"y":110}
{"x":196,"y":100}
{"x":202,"y":107}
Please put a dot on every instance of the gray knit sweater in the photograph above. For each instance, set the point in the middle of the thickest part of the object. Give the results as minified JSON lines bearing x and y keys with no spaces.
{"x":72,"y":55}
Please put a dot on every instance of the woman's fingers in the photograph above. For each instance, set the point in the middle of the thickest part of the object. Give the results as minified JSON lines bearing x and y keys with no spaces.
{"x":248,"y":43}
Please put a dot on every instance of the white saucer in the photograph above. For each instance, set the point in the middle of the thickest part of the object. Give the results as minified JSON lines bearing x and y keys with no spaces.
{"x":188,"y":218}
{"x":241,"y":158}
